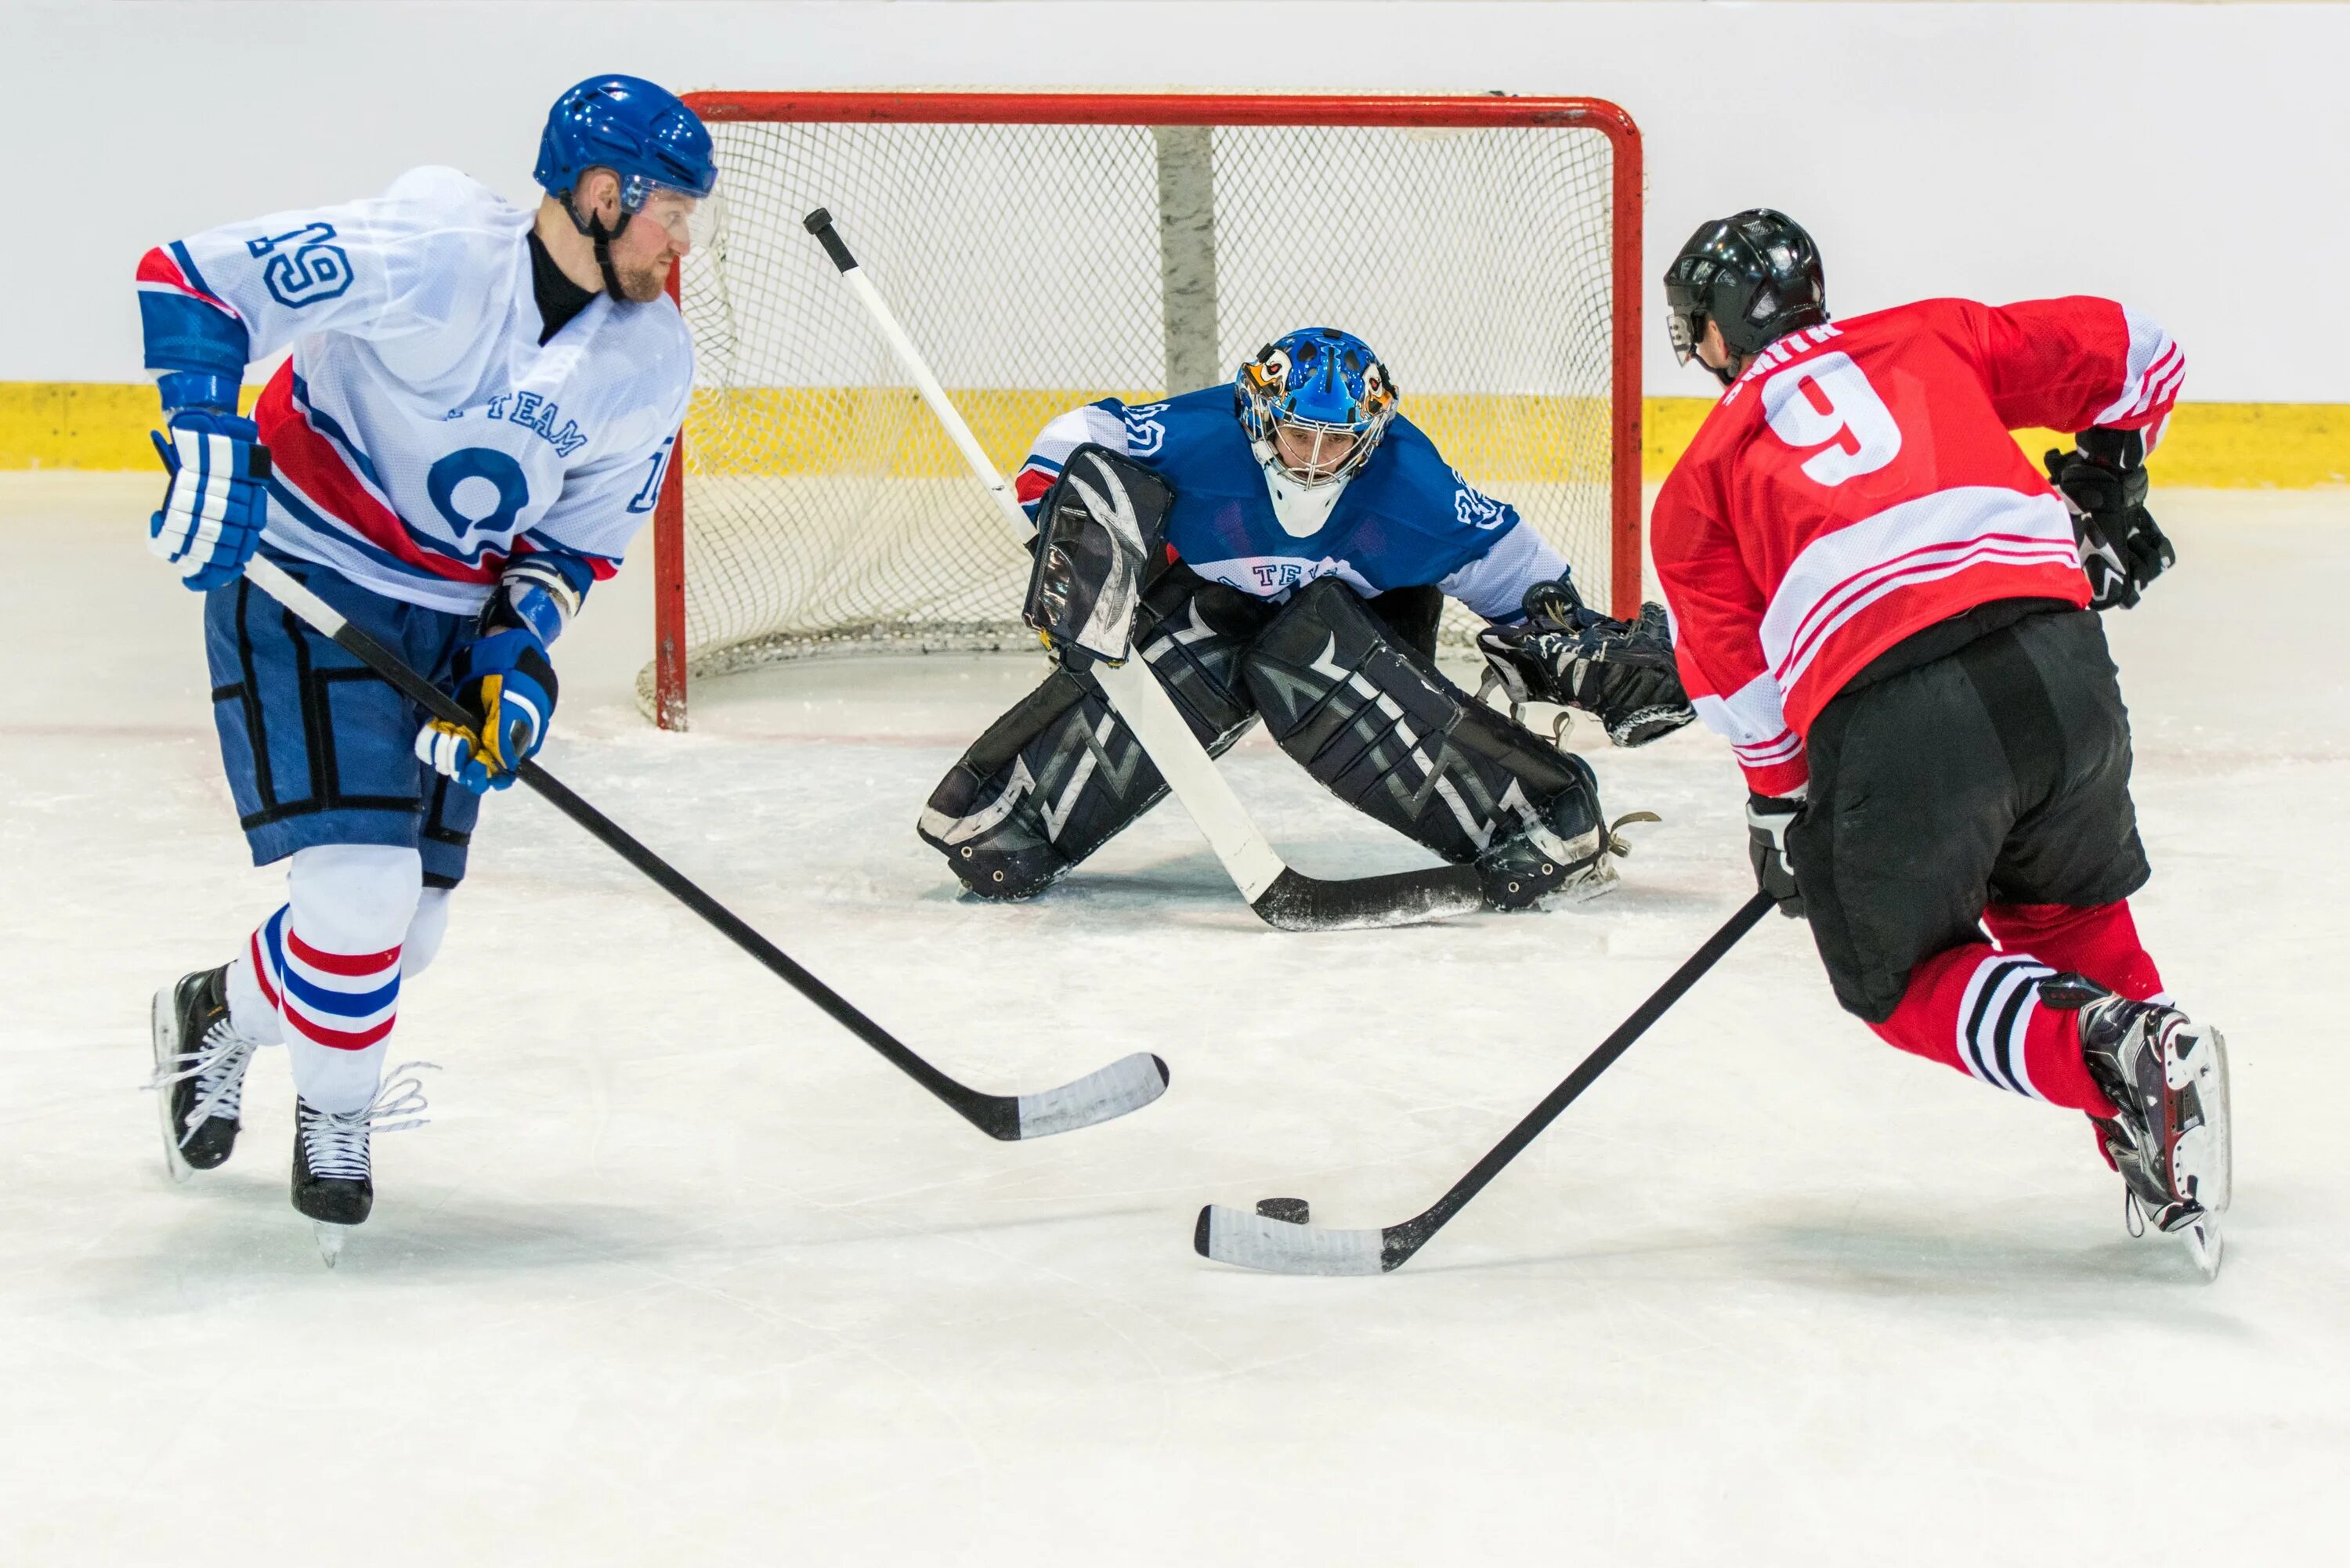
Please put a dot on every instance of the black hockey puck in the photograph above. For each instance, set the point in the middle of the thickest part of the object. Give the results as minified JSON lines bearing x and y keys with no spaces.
{"x":1288,"y":1210}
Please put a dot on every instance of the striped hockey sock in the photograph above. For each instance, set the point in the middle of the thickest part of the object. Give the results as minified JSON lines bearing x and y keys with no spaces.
{"x":2099,"y":941}
{"x":337,"y":1007}
{"x":1978,"y":1009}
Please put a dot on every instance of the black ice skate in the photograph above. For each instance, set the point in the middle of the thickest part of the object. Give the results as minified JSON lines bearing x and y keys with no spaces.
{"x":2168,"y":1074}
{"x":1541,"y":867}
{"x":200,"y":1063}
{"x":334,"y":1184}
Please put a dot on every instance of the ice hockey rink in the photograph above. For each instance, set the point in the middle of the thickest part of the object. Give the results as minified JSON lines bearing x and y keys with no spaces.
{"x":681,"y":1272}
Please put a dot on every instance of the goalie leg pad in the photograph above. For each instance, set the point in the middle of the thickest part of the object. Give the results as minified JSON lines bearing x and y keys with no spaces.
{"x":1060,"y":774}
{"x":1391,"y":736}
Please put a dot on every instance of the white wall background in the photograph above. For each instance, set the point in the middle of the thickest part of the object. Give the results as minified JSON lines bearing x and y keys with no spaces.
{"x":2189,"y":159}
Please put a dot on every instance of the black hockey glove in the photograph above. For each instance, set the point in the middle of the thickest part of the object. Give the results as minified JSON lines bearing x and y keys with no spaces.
{"x":1621,"y":672}
{"x":1768,"y":817}
{"x":2104,"y":481}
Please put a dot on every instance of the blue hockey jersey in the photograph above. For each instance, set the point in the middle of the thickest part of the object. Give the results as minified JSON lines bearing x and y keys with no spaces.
{"x":1406,"y":518}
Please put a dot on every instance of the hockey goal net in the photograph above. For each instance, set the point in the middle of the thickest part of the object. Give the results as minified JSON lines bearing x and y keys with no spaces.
{"x":1045,"y":249}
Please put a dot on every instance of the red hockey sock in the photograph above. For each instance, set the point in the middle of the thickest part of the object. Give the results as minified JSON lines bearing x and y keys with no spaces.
{"x":1977,"y":1008}
{"x":2100,"y":942}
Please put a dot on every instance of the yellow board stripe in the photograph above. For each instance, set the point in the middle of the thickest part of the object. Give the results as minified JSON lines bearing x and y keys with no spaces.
{"x":103,"y":426}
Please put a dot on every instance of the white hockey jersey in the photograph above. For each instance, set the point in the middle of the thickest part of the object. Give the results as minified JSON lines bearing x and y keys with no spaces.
{"x":420,"y":434}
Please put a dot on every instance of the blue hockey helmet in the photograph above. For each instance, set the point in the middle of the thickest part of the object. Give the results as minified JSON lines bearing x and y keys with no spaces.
{"x":1315,"y":402}
{"x":642,"y":132}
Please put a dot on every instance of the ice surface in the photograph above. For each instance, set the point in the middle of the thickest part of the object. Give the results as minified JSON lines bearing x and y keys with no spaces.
{"x":679,"y":1273}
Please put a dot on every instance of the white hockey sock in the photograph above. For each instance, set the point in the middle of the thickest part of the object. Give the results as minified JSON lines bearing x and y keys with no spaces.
{"x":250,"y":1011}
{"x":425,"y":932}
{"x":329,"y":964}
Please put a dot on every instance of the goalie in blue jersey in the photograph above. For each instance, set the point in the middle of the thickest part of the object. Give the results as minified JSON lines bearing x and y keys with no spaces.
{"x":1311,"y":536}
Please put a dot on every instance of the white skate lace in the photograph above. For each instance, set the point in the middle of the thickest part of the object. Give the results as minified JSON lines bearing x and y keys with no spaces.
{"x":336,"y":1142}
{"x":217,"y":1064}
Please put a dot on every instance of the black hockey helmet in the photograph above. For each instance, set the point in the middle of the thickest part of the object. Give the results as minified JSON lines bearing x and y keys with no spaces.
{"x":1756,"y":274}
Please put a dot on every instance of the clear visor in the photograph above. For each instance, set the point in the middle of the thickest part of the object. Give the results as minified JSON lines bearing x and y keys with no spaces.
{"x":1312,"y":452}
{"x":686,"y":218}
{"x":1685,"y":332}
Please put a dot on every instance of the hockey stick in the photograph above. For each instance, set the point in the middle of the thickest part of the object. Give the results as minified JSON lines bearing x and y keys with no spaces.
{"x":1277,"y":1246}
{"x":1127,"y":1084}
{"x":1282,"y":898}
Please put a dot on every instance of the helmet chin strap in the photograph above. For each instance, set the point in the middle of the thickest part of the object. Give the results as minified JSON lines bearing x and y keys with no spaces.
{"x":593,"y":227}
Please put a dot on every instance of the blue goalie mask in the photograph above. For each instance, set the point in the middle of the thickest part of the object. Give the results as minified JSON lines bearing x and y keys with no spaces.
{"x":1314,"y":404}
{"x":642,"y":132}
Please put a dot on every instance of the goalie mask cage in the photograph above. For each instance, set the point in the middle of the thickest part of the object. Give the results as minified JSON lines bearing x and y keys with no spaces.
{"x":1045,"y":250}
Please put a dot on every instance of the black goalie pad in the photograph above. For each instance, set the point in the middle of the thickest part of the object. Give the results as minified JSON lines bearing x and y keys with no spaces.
{"x":1387,"y":734}
{"x":1060,"y":773}
{"x":1101,"y":536}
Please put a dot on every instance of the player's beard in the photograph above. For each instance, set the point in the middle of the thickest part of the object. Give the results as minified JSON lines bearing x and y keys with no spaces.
{"x":641,"y":282}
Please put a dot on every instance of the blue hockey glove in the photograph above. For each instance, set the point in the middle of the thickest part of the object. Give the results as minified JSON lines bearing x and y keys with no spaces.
{"x":504,"y":681}
{"x":210,"y":521}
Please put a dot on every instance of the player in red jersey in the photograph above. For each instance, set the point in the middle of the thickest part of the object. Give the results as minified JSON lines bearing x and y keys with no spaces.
{"x":1889,"y":612}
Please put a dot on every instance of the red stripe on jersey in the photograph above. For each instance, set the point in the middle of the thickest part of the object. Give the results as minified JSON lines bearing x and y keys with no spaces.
{"x":307,"y":460}
{"x":602,"y":568}
{"x":1030,"y":484}
{"x":357,"y":965}
{"x":158,"y":267}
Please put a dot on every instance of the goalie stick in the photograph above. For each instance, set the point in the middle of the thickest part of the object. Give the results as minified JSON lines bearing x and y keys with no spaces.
{"x":1127,"y":1084}
{"x":1282,"y":897}
{"x":1277,"y":1246}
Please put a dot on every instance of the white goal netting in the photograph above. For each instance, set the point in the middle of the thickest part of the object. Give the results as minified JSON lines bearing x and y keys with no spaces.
{"x":1042,"y":265}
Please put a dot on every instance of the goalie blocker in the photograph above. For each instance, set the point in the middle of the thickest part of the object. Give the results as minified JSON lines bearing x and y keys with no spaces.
{"x":1349,"y":687}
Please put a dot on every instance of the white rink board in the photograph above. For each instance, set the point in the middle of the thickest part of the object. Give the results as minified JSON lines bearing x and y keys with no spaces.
{"x":680,"y":1273}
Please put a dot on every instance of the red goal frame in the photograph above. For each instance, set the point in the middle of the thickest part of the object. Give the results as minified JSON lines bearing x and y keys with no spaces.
{"x":1628,"y":180}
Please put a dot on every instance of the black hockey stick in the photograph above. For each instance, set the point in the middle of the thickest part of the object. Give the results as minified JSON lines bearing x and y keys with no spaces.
{"x":1124,"y":1086}
{"x":1282,"y":897}
{"x":1277,"y":1246}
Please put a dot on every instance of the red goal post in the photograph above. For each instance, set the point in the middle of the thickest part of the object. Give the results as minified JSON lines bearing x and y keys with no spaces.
{"x":742,"y":410}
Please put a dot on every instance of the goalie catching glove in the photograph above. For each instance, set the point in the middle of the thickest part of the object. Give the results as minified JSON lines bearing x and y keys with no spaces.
{"x":2103,"y":481}
{"x":505,"y":682}
{"x":1621,"y":673}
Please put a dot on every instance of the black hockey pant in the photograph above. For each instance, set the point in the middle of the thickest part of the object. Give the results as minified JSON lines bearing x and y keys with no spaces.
{"x":1993,"y":775}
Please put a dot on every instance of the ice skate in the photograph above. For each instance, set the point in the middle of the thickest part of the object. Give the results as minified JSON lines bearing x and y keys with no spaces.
{"x":2168,"y":1074}
{"x":199,"y":1064}
{"x":1542,"y":870}
{"x":334,"y":1183}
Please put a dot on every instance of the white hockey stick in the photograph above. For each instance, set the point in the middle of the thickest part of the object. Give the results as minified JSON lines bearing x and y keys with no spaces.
{"x":1126,"y":1085}
{"x":1280,"y":895}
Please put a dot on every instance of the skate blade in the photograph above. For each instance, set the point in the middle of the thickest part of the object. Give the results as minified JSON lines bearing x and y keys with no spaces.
{"x":1595,"y":883}
{"x":331,"y":1239}
{"x":165,"y":1030}
{"x":2203,"y":1243}
{"x":2213,"y":1152}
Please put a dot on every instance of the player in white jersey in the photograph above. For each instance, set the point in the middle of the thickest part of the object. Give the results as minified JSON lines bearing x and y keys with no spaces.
{"x":471,"y":430}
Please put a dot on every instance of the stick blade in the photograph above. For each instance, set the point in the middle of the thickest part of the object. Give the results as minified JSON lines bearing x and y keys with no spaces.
{"x":1126,"y":1085}
{"x":1297,"y":903}
{"x":1271,"y":1246}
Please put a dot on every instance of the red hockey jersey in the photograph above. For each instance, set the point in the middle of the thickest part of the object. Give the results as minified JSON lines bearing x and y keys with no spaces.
{"x":1858,"y":484}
